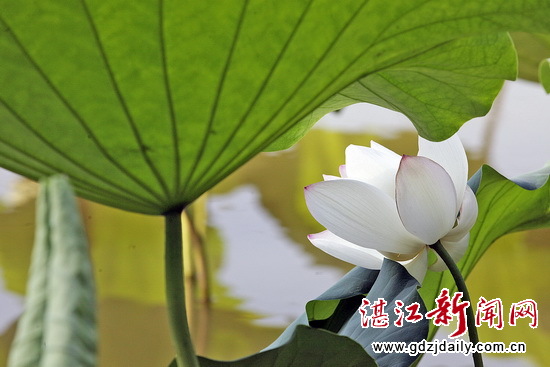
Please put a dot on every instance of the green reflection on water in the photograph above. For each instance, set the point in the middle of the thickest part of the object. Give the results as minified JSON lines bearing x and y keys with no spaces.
{"x":127,"y":254}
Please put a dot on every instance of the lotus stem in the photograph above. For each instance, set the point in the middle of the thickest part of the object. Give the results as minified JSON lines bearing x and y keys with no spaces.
{"x":461,"y":285}
{"x":175,"y":292}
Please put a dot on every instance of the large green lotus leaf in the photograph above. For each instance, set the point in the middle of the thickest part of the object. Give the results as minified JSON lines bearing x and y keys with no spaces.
{"x":308,"y":347}
{"x":438,"y":89}
{"x":505,"y":206}
{"x":58,"y":327}
{"x":147,"y":104}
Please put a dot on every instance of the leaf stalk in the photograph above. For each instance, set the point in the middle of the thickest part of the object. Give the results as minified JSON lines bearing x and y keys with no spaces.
{"x":175,"y":292}
{"x":461,"y":285}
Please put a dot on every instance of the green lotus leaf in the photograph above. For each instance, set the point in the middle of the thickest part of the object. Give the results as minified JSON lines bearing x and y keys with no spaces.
{"x":147,"y":104}
{"x":308,"y":347}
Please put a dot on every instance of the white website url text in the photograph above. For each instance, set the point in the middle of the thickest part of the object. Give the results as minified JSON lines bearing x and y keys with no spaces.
{"x":436,"y":347}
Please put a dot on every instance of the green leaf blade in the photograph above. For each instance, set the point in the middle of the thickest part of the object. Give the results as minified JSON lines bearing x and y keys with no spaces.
{"x":507,"y":206}
{"x":58,"y":326}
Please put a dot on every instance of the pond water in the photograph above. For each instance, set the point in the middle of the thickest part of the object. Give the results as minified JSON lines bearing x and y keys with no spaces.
{"x":262,"y":268}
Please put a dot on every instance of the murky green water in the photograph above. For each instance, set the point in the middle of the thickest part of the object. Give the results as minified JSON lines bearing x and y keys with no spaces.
{"x":262,"y":268}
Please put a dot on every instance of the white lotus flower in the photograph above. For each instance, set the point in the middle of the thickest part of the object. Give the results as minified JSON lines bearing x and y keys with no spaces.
{"x":386,"y":205}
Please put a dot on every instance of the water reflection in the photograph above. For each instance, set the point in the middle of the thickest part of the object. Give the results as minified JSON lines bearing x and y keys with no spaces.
{"x":263,"y":268}
{"x":255,"y":248}
{"x":11,"y":306}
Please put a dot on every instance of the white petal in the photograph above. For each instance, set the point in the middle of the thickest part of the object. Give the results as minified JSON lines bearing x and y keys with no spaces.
{"x":346,"y":251}
{"x":388,"y":152}
{"x":373,"y":166}
{"x":342,"y":170}
{"x":398,"y":257}
{"x":455,"y":249}
{"x":467,"y":219}
{"x":450,"y":155}
{"x":426,"y":198}
{"x":330,"y":177}
{"x":361,"y":214}
{"x":418,"y":265}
